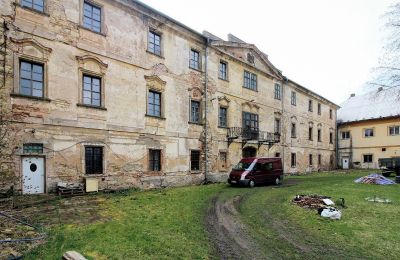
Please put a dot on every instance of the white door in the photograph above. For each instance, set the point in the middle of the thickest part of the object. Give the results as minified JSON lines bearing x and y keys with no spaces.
{"x":345,"y":163}
{"x":33,"y":175}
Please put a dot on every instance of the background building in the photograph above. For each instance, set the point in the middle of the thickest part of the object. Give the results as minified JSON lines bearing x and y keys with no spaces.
{"x":368,"y":127}
{"x":118,"y":91}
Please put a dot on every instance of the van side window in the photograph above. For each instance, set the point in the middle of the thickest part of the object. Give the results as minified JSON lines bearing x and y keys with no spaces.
{"x":267,"y":166}
{"x":257,"y":167}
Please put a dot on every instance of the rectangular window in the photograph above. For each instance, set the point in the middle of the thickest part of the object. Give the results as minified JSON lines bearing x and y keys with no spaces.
{"x":293,"y":98}
{"x":310,"y":160}
{"x":37,"y":5}
{"x":223,"y":158}
{"x":394,"y":130}
{"x":195,"y":111}
{"x":310,"y":133}
{"x":369,"y":132}
{"x":319,"y":135}
{"x":31,"y":79}
{"x":277,"y":125}
{"x":277,"y":155}
{"x":250,"y":80}
{"x":367,"y":158}
{"x":94,"y":160}
{"x":277,"y":92}
{"x":293,"y":160}
{"x":195,"y":160}
{"x":194,"y":62}
{"x":319,"y":159}
{"x":91,"y":17}
{"x":346,"y":135}
{"x":319,"y":109}
{"x":331,"y":138}
{"x":293,"y":130}
{"x":33,"y":148}
{"x":250,"y":121}
{"x":154,"y":160}
{"x":330,"y":114}
{"x":91,"y":90}
{"x":154,"y":104}
{"x":223,"y":117}
{"x":223,"y":70}
{"x":310,"y":105}
{"x":154,"y":45}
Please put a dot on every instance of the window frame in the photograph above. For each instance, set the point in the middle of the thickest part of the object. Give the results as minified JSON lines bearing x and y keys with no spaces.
{"x":394,"y":127}
{"x":293,"y":131}
{"x":293,"y":98}
{"x":371,"y":132}
{"x":310,"y":160}
{"x":149,"y":43}
{"x":319,"y":108}
{"x":152,"y":160}
{"x":221,"y":72}
{"x":32,"y":148}
{"x":250,"y":81}
{"x":32,"y":8}
{"x":319,"y":135}
{"x":310,"y":133}
{"x":278,"y":92}
{"x":32,"y":63}
{"x":192,"y":60}
{"x":310,"y":105}
{"x":330,"y":138}
{"x":252,"y":119}
{"x":330,"y":113}
{"x":277,"y":125}
{"x":101,"y":164}
{"x":102,"y":16}
{"x":220,"y":117}
{"x":101,"y":91}
{"x":369,"y":154}
{"x":149,"y":105}
{"x":345,"y":135}
{"x":293,"y":160}
{"x":192,"y":101}
{"x":198,"y":161}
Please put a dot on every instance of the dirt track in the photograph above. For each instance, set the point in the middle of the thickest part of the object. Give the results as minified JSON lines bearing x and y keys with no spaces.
{"x":228,"y":233}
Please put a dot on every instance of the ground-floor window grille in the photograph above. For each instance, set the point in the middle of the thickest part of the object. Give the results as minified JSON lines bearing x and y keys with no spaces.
{"x":33,"y":148}
{"x":310,"y":160}
{"x":195,"y":160}
{"x":94,"y":160}
{"x":367,"y":158}
{"x":154,"y":160}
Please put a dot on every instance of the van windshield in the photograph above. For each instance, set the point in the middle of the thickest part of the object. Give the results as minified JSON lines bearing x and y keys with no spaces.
{"x":243,"y":166}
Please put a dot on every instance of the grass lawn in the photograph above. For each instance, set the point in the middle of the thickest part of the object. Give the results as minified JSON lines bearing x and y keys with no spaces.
{"x":169,"y":223}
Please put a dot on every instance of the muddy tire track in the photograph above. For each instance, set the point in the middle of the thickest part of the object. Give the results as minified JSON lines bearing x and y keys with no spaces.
{"x":228,"y":234}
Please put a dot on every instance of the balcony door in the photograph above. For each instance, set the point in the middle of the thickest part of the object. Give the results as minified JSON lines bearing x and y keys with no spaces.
{"x":249,"y":152}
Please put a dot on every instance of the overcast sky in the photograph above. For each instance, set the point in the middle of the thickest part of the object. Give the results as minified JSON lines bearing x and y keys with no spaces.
{"x":328,"y":46}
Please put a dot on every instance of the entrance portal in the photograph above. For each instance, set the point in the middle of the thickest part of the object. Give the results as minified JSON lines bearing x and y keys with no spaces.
{"x":249,"y":152}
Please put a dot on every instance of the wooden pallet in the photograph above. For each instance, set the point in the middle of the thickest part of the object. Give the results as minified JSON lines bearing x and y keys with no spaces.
{"x":70,"y":192}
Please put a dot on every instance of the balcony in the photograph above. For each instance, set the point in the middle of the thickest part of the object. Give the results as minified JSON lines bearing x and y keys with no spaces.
{"x":251,"y":134}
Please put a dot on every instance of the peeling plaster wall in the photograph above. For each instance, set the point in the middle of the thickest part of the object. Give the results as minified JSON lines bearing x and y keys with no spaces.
{"x":119,"y":56}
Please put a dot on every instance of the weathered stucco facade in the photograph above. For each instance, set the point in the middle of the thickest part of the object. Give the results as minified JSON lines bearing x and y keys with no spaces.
{"x":118,"y":55}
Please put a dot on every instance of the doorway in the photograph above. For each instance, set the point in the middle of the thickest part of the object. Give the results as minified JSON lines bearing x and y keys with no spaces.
{"x":345,"y":163}
{"x":249,"y":152}
{"x":33,"y":175}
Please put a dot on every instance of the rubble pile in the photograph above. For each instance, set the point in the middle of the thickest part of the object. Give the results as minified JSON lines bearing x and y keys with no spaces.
{"x":323,"y":204}
{"x":374,"y":179}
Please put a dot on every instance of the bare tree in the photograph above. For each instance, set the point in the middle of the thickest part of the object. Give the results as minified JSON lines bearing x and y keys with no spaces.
{"x":387,"y":74}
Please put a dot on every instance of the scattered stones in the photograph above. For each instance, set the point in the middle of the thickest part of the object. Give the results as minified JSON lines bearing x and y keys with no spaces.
{"x":73,"y":255}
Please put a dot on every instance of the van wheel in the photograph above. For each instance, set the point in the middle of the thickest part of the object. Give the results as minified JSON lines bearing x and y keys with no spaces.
{"x":277,"y":181}
{"x":251,"y":184}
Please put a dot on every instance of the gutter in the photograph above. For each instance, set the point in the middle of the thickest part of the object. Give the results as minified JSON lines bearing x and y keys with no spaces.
{"x":205,"y":113}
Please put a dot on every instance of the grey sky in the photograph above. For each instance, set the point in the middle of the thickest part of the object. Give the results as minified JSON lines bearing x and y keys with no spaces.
{"x":328,"y":46}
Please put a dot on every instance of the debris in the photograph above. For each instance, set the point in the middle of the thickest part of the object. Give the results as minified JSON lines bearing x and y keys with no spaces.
{"x":73,"y":255}
{"x":310,"y":202}
{"x":321,"y":203}
{"x":375,"y":178}
{"x":328,"y":202}
{"x":379,"y":200}
{"x":64,"y":188}
{"x":331,"y":212}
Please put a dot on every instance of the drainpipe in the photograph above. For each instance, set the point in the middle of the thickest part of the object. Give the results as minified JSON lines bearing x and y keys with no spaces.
{"x":205,"y":114}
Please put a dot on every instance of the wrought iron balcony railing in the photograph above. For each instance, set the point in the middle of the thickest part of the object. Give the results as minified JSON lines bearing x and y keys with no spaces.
{"x":249,"y":134}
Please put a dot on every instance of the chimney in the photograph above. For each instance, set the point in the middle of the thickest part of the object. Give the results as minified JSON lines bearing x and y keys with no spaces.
{"x":352,"y":95}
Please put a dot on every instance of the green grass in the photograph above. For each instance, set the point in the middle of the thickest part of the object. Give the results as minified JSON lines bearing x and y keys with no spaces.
{"x":367,"y":230}
{"x":169,"y":223}
{"x":161,"y":224}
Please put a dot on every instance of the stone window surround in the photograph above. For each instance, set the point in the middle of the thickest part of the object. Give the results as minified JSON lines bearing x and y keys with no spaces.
{"x":100,"y":74}
{"x":102,"y":25}
{"x":159,"y":33}
{"x":19,"y":56}
{"x":223,"y":101}
{"x":196,"y":94}
{"x":227,"y":70}
{"x":83,"y":158}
